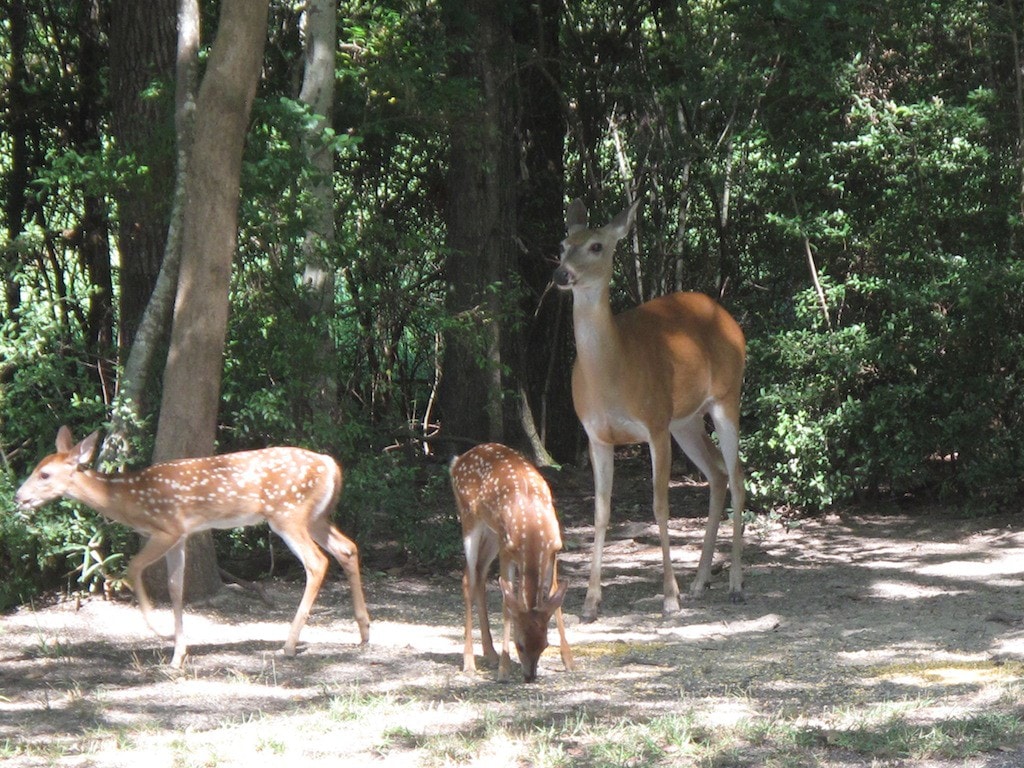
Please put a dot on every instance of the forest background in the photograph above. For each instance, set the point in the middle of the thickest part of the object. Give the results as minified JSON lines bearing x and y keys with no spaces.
{"x":847,"y":178}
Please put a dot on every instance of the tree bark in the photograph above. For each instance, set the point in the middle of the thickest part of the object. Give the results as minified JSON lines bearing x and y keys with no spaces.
{"x":142,"y":53}
{"x":154,"y":325}
{"x":91,"y":236}
{"x":320,"y":46}
{"x":481,"y":224}
{"x":545,"y":344}
{"x":17,"y":177}
{"x":191,"y":393}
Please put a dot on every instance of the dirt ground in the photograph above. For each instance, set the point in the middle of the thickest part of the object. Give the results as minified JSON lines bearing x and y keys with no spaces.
{"x":847,"y":610}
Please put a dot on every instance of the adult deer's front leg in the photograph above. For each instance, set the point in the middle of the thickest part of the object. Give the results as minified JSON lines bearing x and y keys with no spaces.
{"x":602,"y":460}
{"x":661,"y":469}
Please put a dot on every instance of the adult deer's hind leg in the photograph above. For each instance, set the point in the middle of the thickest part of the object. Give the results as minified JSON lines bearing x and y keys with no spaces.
{"x":702,"y":451}
{"x":726,"y":417}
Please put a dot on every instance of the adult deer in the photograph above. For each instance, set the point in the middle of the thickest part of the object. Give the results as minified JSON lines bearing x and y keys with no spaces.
{"x":506,"y":512}
{"x":292,"y":489}
{"x":648,"y":375}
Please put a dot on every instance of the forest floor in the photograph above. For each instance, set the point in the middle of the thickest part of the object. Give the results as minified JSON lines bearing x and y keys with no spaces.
{"x":876,"y":637}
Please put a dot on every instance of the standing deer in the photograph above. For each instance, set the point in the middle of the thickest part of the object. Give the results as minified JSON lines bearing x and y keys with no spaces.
{"x":292,"y":489}
{"x":506,"y":512}
{"x":648,"y":375}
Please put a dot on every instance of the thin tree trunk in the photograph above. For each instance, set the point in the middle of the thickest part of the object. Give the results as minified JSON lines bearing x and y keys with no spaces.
{"x":320,"y":45}
{"x":1018,"y":96}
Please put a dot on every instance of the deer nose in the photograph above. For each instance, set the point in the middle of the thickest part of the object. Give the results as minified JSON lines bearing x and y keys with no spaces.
{"x":529,"y":670}
{"x":564,"y":277}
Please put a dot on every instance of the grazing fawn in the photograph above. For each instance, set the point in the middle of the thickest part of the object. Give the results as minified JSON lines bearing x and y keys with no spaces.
{"x":649,"y":375}
{"x":506,"y":512}
{"x":292,"y":489}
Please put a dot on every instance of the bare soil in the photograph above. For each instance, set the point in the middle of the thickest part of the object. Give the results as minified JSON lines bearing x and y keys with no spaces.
{"x":845,"y":611}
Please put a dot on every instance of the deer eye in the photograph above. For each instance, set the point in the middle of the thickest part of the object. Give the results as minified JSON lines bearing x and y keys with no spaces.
{"x":44,"y":475}
{"x":596,"y":247}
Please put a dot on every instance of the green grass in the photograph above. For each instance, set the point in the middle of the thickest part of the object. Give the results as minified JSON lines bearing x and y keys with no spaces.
{"x":432,"y":730}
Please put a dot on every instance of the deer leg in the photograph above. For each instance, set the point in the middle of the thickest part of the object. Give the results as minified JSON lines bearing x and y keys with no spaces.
{"x":346,"y":553}
{"x":702,"y":451}
{"x":469,"y":596}
{"x":661,"y":469}
{"x":726,"y":419}
{"x":176,"y":588}
{"x":158,"y":545}
{"x":505,"y":663}
{"x":481,"y":548}
{"x":567,"y":660}
{"x":602,"y":461}
{"x":315,"y":563}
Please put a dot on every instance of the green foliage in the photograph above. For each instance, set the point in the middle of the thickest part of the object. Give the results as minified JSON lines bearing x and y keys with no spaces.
{"x":884,"y":139}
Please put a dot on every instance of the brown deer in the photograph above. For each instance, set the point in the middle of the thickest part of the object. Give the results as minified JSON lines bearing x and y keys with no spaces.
{"x":506,"y":512}
{"x":292,"y":489}
{"x":648,"y":375}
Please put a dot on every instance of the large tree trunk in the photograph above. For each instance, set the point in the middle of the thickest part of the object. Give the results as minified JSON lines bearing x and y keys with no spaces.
{"x":142,"y":52}
{"x":545,"y":353}
{"x":481,"y":225}
{"x":91,"y":237}
{"x":153,"y":329}
{"x":15,"y":183}
{"x":191,"y":392}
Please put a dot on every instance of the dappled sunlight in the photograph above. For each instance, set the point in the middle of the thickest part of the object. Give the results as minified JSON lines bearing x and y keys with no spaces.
{"x":902,"y":590}
{"x":860,"y":627}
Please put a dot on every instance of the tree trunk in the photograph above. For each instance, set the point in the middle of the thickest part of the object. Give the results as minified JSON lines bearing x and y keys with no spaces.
{"x":92,"y":235}
{"x":481,"y":225}
{"x":191,"y":392}
{"x":153,"y":328}
{"x":16,"y":181}
{"x":544,"y":359}
{"x":142,"y":50}
{"x":320,"y":46}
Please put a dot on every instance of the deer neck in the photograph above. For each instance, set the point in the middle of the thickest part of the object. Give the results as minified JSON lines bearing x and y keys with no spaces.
{"x":100,"y":492}
{"x":598,"y":342}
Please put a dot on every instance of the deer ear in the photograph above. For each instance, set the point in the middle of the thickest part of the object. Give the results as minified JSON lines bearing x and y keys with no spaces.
{"x":621,"y":224}
{"x":82,"y":453}
{"x":65,"y":440}
{"x":554,"y":602}
{"x":576,"y":216}
{"x":509,"y":593}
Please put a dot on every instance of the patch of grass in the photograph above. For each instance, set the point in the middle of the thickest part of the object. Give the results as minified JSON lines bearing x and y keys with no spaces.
{"x":953,"y":738}
{"x":579,"y":739}
{"x":354,"y":704}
